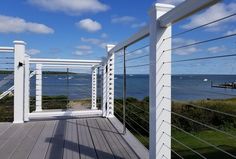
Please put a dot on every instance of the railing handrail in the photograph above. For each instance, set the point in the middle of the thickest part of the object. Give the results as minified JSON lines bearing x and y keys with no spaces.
{"x":5,"y":49}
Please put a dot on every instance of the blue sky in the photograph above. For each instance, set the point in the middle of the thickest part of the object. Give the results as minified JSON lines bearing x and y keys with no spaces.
{"x":80,"y":29}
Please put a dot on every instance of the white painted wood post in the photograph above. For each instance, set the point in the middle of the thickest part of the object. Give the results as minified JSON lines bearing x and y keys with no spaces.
{"x":159,"y":77}
{"x":38,"y":87}
{"x":19,"y":48}
{"x":27,"y":89}
{"x":104,"y":89}
{"x":110,"y":81}
{"x":94,"y":88}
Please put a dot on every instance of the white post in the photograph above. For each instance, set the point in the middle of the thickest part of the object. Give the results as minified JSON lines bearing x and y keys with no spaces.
{"x":94,"y":87}
{"x":27,"y":89}
{"x":104,"y":90}
{"x":159,"y":77}
{"x":38,"y":87}
{"x":19,"y":47}
{"x":110,"y":81}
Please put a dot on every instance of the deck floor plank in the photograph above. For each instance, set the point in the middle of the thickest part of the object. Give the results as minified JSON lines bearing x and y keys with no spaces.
{"x":71,"y":147}
{"x":115,"y":140}
{"x":4,"y":127}
{"x":87,"y":150}
{"x":25,"y":147}
{"x":127,"y":148}
{"x":55,"y":150}
{"x":41,"y":146}
{"x":102,"y":147}
{"x":13,"y":142}
{"x":86,"y":138}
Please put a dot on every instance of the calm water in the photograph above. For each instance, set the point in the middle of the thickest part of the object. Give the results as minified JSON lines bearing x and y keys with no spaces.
{"x":184,"y":87}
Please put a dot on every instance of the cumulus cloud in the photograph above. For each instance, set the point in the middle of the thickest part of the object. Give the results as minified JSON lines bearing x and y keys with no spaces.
{"x":138,"y":25}
{"x":33,"y":51}
{"x":71,"y":7}
{"x":83,"y":50}
{"x":216,"y":49}
{"x":215,"y":12}
{"x":177,"y":42}
{"x":123,"y":19}
{"x":18,"y":25}
{"x":173,"y":2}
{"x":94,"y":41}
{"x":230,"y":32}
{"x":89,"y":25}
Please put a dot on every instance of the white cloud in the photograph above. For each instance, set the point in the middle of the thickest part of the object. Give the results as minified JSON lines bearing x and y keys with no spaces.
{"x":215,"y":12}
{"x":33,"y":51}
{"x":104,"y":35}
{"x":178,"y":42}
{"x":71,"y":7}
{"x":89,"y":25}
{"x":83,"y":50}
{"x":230,"y":32}
{"x":123,"y":20}
{"x":173,"y":2}
{"x":94,"y":41}
{"x":216,"y":49}
{"x":18,"y":25}
{"x":138,"y":25}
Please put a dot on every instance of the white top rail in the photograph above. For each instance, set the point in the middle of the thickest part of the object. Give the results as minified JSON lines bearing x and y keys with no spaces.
{"x":6,"y":49}
{"x":64,"y":61}
{"x":144,"y":32}
{"x":178,"y":13}
{"x":68,"y":66}
{"x":184,"y":10}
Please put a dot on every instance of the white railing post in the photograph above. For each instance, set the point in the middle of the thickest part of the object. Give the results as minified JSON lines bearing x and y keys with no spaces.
{"x":94,"y":88}
{"x":110,"y":81}
{"x":38,"y":87}
{"x":104,"y":89}
{"x":27,"y":89}
{"x":159,"y":77}
{"x":19,"y":48}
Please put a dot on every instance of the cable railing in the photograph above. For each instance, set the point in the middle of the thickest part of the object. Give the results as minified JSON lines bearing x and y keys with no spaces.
{"x":130,"y":106}
{"x":6,"y":83}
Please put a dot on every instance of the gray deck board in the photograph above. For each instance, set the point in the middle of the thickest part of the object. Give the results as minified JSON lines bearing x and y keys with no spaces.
{"x":29,"y":141}
{"x":13,"y":142}
{"x":71,"y":147}
{"x":55,"y":150}
{"x":86,"y":138}
{"x":102,"y":147}
{"x":41,"y":146}
{"x":87,"y":150}
{"x":4,"y":127}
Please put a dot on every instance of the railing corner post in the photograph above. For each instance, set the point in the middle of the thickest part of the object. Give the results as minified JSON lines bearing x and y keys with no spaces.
{"x":159,"y":77}
{"x":110,"y":81}
{"x":27,"y":89}
{"x":94,"y":88}
{"x":38,"y":87}
{"x":19,"y":55}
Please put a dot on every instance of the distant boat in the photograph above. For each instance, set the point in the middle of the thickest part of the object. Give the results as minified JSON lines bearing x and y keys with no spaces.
{"x":205,"y":80}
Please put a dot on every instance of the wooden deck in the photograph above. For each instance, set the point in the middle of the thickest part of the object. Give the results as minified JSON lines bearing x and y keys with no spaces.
{"x":86,"y":138}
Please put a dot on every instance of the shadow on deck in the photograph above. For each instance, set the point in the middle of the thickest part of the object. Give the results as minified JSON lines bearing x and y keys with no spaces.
{"x":66,"y":138}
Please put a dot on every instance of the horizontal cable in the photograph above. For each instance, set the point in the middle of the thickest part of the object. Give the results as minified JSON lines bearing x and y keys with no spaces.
{"x":202,"y":140}
{"x":206,"y":91}
{"x":201,"y":42}
{"x":174,"y":151}
{"x":201,"y":26}
{"x":136,"y":107}
{"x":6,"y":57}
{"x":185,"y":146}
{"x":195,"y":121}
{"x":134,"y":113}
{"x":132,"y":66}
{"x":140,"y":48}
{"x":203,"y":107}
{"x":7,"y":63}
{"x":139,"y":57}
{"x":7,"y":69}
{"x":201,"y":58}
{"x":141,"y":135}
